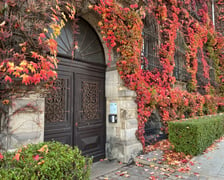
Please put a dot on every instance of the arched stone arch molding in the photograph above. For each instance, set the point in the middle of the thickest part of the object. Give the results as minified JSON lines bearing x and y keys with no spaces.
{"x":84,"y":44}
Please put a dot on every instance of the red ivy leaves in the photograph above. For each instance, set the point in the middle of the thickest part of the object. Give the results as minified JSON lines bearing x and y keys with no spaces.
{"x":7,"y":78}
{"x":16,"y":157}
{"x":37,"y":157}
{"x":1,"y":156}
{"x":121,"y":27}
{"x":26,"y":59}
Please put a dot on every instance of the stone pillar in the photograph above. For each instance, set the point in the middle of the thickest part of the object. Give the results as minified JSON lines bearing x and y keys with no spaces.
{"x":26,"y":123}
{"x":121,"y":141}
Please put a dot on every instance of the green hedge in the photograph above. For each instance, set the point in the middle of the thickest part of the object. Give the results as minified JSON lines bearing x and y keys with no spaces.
{"x":193,"y":136}
{"x":48,"y":160}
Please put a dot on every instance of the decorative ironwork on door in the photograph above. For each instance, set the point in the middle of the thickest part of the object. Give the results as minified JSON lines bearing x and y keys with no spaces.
{"x":90,"y":101}
{"x":55,"y":103}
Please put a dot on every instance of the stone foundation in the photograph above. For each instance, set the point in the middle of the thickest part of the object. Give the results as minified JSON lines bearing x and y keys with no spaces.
{"x":26,"y":123}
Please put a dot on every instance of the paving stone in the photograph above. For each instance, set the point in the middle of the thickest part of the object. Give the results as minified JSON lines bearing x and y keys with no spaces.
{"x":209,"y":165}
{"x":215,"y":178}
{"x":149,"y":158}
{"x":103,"y":167}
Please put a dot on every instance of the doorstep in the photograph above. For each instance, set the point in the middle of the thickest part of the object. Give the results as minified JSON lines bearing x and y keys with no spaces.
{"x":103,"y":167}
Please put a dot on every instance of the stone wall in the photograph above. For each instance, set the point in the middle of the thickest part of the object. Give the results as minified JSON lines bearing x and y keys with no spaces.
{"x":121,"y":142}
{"x":25,"y":124}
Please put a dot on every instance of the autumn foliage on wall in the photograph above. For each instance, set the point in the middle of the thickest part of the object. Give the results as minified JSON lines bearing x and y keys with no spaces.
{"x":28,"y":47}
{"x":122,"y":27}
{"x":28,"y":51}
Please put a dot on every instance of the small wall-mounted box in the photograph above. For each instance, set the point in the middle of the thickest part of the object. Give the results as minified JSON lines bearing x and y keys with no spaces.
{"x":113,"y":118}
{"x":113,"y":113}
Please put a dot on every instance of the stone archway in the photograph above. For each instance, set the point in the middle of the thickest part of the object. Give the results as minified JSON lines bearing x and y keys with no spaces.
{"x":121,"y":141}
{"x":75,"y":111}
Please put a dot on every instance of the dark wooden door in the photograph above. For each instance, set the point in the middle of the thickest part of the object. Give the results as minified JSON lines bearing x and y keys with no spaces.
{"x":75,"y":109}
{"x":90,"y":114}
{"x":58,"y":110}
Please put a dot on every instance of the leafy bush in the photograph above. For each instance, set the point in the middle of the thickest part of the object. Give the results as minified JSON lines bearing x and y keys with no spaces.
{"x":193,"y":136}
{"x":210,"y":106}
{"x":48,"y":160}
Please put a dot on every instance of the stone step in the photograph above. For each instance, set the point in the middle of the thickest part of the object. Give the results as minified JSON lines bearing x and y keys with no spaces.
{"x":154,"y":157}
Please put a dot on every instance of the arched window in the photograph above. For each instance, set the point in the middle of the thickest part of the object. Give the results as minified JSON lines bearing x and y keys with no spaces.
{"x":201,"y":80}
{"x":212,"y":73}
{"x":88,"y":46}
{"x":180,"y":72}
{"x":150,"y":49}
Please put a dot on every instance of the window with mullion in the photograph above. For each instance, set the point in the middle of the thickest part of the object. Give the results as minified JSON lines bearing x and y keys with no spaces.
{"x":180,"y":72}
{"x":150,"y":44}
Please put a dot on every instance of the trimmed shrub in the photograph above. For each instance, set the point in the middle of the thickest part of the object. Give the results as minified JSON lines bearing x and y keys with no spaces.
{"x":48,"y":160}
{"x":193,"y":136}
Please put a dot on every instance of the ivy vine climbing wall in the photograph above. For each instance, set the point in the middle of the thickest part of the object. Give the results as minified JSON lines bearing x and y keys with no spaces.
{"x":121,"y":28}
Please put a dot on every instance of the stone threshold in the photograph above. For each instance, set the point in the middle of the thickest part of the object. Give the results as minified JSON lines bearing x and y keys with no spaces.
{"x":101,"y":168}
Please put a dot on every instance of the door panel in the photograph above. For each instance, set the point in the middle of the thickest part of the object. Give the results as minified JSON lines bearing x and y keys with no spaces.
{"x":58,"y":110}
{"x":91,"y":141}
{"x":90,"y":114}
{"x":75,"y":110}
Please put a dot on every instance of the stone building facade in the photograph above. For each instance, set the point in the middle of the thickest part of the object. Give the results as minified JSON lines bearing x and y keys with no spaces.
{"x":58,"y":116}
{"x":90,"y":108}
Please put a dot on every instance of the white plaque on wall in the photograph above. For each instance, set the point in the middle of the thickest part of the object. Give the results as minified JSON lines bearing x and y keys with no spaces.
{"x":113,"y":108}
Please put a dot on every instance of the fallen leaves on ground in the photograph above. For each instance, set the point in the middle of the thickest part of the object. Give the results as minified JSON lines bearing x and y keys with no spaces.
{"x":214,"y":145}
{"x":161,"y":145}
{"x":176,"y":158}
{"x":170,"y":156}
{"x":122,"y":173}
{"x":152,"y":177}
{"x":171,"y":164}
{"x":139,"y":164}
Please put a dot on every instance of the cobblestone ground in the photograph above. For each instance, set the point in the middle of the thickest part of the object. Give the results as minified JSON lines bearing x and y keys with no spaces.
{"x":134,"y":172}
{"x":207,"y":166}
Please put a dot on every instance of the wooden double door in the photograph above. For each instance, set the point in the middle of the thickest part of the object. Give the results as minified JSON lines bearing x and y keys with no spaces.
{"x":75,"y":109}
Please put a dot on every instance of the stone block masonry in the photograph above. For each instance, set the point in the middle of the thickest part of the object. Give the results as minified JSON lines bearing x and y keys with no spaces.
{"x":121,"y":142}
{"x":25,"y":123}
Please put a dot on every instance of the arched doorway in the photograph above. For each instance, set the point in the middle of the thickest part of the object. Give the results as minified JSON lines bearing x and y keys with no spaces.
{"x":75,"y":111}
